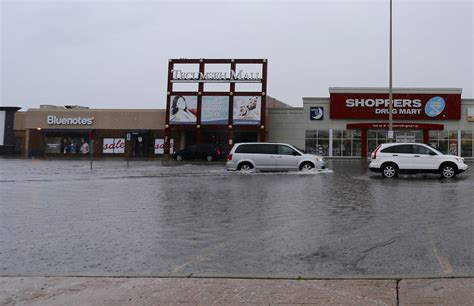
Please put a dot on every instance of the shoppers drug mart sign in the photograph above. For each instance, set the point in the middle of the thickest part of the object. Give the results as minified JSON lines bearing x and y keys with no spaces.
{"x":405,"y":106}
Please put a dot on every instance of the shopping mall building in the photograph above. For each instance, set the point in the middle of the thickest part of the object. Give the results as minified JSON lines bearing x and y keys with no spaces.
{"x":350,"y":123}
{"x":225,"y":101}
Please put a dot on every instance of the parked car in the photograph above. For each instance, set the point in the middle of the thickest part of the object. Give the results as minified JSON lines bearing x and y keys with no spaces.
{"x":207,"y":152}
{"x":390,"y":159}
{"x":270,"y":157}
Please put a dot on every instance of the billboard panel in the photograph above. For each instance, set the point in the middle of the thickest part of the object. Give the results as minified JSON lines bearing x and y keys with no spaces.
{"x":215,"y":110}
{"x":247,"y":110}
{"x":183,"y":109}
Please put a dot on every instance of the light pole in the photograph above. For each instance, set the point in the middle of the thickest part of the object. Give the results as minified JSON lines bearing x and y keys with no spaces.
{"x":390,"y":96}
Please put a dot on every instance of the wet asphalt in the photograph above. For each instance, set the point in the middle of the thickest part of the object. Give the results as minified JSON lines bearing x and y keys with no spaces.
{"x":59,"y":217}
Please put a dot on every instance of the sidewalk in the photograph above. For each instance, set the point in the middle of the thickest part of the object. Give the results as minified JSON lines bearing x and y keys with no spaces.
{"x":224,"y":291}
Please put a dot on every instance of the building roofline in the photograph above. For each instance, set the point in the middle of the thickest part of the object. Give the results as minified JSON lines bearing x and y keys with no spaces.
{"x":414,"y":90}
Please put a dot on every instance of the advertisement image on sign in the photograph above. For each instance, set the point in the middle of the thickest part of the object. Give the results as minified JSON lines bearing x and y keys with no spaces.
{"x":215,"y":110}
{"x":160,"y":146}
{"x":247,"y":110}
{"x":183,"y":109}
{"x":113,"y":146}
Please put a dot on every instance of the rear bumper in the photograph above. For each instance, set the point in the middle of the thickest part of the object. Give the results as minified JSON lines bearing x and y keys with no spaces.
{"x":231,"y":166}
{"x":374,"y":166}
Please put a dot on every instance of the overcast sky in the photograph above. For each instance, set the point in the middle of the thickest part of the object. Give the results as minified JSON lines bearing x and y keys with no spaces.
{"x":114,"y":54}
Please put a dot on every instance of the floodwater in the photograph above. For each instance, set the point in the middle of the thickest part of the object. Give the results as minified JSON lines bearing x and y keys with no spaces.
{"x":60,"y":217}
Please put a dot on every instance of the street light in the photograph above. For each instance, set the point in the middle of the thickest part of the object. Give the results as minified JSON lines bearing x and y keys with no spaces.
{"x":390,"y":96}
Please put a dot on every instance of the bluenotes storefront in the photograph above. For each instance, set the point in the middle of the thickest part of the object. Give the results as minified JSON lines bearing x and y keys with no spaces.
{"x":106,"y":133}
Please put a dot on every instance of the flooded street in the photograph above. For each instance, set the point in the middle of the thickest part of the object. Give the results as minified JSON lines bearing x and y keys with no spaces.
{"x":60,"y":217}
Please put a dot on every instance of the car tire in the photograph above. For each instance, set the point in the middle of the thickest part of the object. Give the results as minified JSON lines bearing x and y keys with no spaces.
{"x":448,"y":170}
{"x":209,"y":158}
{"x":245,"y":166}
{"x":306,"y":166}
{"x":179,"y":157}
{"x":389,"y":170}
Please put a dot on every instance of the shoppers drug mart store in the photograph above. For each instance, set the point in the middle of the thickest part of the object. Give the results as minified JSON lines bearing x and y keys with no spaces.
{"x":352,"y":122}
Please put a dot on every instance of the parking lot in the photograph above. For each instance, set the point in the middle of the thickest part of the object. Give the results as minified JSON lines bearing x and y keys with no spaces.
{"x":60,"y":217}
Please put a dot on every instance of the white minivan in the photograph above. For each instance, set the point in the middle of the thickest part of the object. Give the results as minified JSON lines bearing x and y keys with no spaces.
{"x":265,"y":156}
{"x":393,"y":158}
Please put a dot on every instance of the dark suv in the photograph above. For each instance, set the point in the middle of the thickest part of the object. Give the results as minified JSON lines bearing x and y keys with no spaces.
{"x":207,"y":152}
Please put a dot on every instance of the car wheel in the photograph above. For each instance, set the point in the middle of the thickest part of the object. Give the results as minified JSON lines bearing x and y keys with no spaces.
{"x":179,"y":157}
{"x":245,"y":166}
{"x":389,"y":170}
{"x":306,"y":166}
{"x":448,"y":171}
{"x":209,"y":158}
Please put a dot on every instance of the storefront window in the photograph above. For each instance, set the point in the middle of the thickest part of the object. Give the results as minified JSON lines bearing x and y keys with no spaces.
{"x":466,"y":144}
{"x":65,"y":144}
{"x":374,"y":138}
{"x":317,"y":142}
{"x":346,"y":143}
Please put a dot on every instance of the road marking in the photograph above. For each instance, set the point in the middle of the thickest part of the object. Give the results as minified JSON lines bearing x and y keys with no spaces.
{"x":443,"y":261}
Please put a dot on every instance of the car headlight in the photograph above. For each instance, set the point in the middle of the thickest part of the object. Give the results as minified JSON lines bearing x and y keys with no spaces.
{"x":459,"y":159}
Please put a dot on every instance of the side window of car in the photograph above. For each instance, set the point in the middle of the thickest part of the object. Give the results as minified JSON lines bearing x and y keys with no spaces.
{"x":285,"y":150}
{"x":403,"y":149}
{"x":422,"y":150}
{"x":266,"y":149}
{"x":246,"y":148}
{"x":191,"y":148}
{"x":388,"y":150}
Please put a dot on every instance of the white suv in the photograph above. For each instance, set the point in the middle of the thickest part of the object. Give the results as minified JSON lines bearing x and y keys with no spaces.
{"x":393,"y":158}
{"x":270,"y":157}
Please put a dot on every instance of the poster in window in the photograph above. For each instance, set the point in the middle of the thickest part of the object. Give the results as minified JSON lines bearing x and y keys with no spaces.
{"x":215,"y":110}
{"x":183,"y":109}
{"x":160,"y":146}
{"x":247,"y":110}
{"x":113,"y":146}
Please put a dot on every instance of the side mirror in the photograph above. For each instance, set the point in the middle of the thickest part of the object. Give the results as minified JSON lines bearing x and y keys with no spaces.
{"x":433,"y":153}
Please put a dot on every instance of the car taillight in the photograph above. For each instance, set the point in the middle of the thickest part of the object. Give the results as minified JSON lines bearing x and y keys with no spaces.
{"x":229,"y":157}
{"x":374,"y":155}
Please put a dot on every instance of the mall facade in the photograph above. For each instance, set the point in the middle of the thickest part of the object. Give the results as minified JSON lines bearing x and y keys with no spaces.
{"x":350,"y":123}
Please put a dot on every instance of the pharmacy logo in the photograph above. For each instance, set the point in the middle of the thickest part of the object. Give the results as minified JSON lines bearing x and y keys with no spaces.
{"x":435,"y":106}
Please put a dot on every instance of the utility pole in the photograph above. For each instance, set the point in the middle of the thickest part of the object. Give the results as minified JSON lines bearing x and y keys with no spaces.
{"x":390,"y":95}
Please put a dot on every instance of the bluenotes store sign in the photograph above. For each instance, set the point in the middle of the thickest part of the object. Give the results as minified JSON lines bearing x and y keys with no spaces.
{"x":56,"y":120}
{"x":405,"y":106}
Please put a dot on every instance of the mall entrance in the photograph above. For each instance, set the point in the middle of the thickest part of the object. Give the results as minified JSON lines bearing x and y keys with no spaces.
{"x":408,"y":136}
{"x":374,"y":134}
{"x":378,"y":136}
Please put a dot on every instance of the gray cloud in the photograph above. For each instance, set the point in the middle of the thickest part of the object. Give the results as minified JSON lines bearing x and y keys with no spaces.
{"x":114,"y":54}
